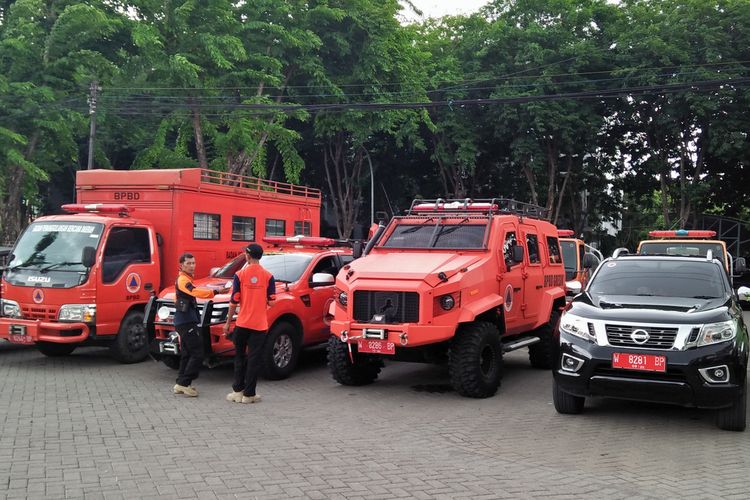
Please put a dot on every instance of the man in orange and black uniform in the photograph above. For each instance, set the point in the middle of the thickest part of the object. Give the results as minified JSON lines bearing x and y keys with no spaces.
{"x":186,"y":323}
{"x":252,"y":289}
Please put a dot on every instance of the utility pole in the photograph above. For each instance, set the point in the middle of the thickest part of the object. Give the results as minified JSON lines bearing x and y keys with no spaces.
{"x":92,"y":114}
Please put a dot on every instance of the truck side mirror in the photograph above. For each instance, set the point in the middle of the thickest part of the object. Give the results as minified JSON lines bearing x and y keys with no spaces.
{"x":573,"y":287}
{"x":743,"y":293}
{"x":88,"y":257}
{"x":590,"y":261}
{"x":740,"y":266}
{"x":322,"y":279}
{"x":357,"y":249}
{"x":517,"y":254}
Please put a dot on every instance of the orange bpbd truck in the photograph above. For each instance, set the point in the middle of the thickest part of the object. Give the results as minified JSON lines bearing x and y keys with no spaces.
{"x":580,"y":260}
{"x":85,"y":278}
{"x":454,"y":281}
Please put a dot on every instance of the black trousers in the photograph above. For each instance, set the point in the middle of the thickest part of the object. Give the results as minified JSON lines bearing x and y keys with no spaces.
{"x":247,"y":366}
{"x":191,"y":357}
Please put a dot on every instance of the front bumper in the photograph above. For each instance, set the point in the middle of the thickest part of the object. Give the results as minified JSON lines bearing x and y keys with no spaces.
{"x":26,"y":331}
{"x":403,"y":334}
{"x":681,"y":384}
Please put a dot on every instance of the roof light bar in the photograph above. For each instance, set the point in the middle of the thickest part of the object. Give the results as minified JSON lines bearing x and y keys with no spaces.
{"x":104,"y":208}
{"x":455,"y":206}
{"x":300,"y":240}
{"x":682,"y":233}
{"x":565,"y":233}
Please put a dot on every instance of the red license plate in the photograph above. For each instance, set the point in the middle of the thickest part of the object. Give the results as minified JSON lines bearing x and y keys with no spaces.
{"x":376,"y":346}
{"x":21,"y":339}
{"x":642,"y":362}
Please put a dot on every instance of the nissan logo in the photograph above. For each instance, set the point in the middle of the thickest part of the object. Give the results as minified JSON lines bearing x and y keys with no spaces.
{"x":639,"y":336}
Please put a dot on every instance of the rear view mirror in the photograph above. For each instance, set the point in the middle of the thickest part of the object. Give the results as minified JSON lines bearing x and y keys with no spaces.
{"x":740,"y":266}
{"x":573,"y":287}
{"x":590,"y":261}
{"x":517,"y":254}
{"x":357,"y":249}
{"x":88,"y":257}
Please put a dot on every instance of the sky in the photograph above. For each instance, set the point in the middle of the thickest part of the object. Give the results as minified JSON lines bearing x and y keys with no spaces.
{"x":438,"y":8}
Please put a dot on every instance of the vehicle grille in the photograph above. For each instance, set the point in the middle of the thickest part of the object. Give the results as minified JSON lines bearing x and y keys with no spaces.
{"x":659,"y":338}
{"x":39,"y":312}
{"x":398,"y":307}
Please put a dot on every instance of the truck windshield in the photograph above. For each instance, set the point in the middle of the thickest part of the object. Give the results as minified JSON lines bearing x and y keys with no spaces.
{"x":682,"y":248}
{"x":286,"y":267}
{"x":569,"y":258}
{"x":437,"y":235}
{"x":660,"y":278}
{"x":58,"y":246}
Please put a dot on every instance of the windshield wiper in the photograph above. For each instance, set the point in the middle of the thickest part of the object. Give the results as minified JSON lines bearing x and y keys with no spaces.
{"x":448,"y":230}
{"x":416,"y":228}
{"x":705,"y":297}
{"x":56,"y":264}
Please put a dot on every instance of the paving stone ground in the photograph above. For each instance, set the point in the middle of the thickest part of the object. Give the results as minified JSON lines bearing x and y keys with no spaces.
{"x":85,"y":426}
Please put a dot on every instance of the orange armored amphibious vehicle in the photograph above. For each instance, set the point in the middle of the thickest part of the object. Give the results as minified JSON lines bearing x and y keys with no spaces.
{"x":460,"y":281}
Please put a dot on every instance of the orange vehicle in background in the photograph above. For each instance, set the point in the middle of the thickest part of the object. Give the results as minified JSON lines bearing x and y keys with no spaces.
{"x":304,"y":269}
{"x":86,"y":277}
{"x":580,"y":260}
{"x":456,"y":281}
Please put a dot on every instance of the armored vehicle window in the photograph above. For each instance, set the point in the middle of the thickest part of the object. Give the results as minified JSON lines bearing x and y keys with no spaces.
{"x":302,"y":227}
{"x":510,"y":242}
{"x":206,"y":226}
{"x":555,"y":257}
{"x":532,"y":244}
{"x":275,"y":227}
{"x":125,"y":246}
{"x":661,"y":278}
{"x":436,"y":235}
{"x":569,"y":258}
{"x":243,"y":228}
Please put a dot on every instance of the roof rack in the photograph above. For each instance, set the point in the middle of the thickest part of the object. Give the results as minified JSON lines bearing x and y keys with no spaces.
{"x":620,"y":251}
{"x":485,"y":206}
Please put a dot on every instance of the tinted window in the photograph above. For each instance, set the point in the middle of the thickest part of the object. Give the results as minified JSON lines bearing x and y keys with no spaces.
{"x":125,"y":246}
{"x":569,"y":258}
{"x":659,"y":278}
{"x":243,"y":228}
{"x":685,"y":249}
{"x":206,"y":226}
{"x":555,"y":257}
{"x":510,"y":242}
{"x":286,"y":267}
{"x":437,"y":236}
{"x":532,"y":244}
{"x":326,"y":265}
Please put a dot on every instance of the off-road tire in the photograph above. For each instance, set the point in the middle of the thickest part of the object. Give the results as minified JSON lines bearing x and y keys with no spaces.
{"x":55,"y":350}
{"x":566,"y":403}
{"x":363,"y":371}
{"x":172,"y":362}
{"x":281,"y":351}
{"x":475,"y":361}
{"x":543,"y":354}
{"x":131,"y":343}
{"x":734,"y":417}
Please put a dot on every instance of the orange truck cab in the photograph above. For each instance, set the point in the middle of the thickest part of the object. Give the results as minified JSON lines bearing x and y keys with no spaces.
{"x":579,"y":259}
{"x":460,"y":281}
{"x":85,"y":278}
{"x":684,"y":242}
{"x":304,"y":269}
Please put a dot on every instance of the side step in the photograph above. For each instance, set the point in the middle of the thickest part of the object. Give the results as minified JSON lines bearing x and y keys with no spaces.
{"x":518,"y":344}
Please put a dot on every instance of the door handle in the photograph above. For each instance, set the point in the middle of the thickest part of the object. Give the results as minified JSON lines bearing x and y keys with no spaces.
{"x":148,"y":286}
{"x":517,"y":289}
{"x":538,"y":287}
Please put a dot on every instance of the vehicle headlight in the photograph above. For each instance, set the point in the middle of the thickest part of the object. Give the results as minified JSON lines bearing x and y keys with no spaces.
{"x":85,"y":313}
{"x":713,"y":333}
{"x":163,"y":313}
{"x":575,"y":325}
{"x":10,"y":308}
{"x":447,"y":302}
{"x":343,"y":299}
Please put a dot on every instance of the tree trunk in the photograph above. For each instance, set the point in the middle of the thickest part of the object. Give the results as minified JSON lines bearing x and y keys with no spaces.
{"x":342,"y":176}
{"x":551,"y":175}
{"x":664,"y":198}
{"x":529,"y":173}
{"x":569,"y":164}
{"x":12,"y":213}
{"x":200,"y":147}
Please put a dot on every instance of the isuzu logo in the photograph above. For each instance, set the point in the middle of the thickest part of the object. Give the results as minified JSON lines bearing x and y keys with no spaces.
{"x":38,"y":279}
{"x":640,"y":337}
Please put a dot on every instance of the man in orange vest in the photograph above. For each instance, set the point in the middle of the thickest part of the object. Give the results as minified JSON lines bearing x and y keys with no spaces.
{"x":186,"y":323}
{"x":253,"y":287}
